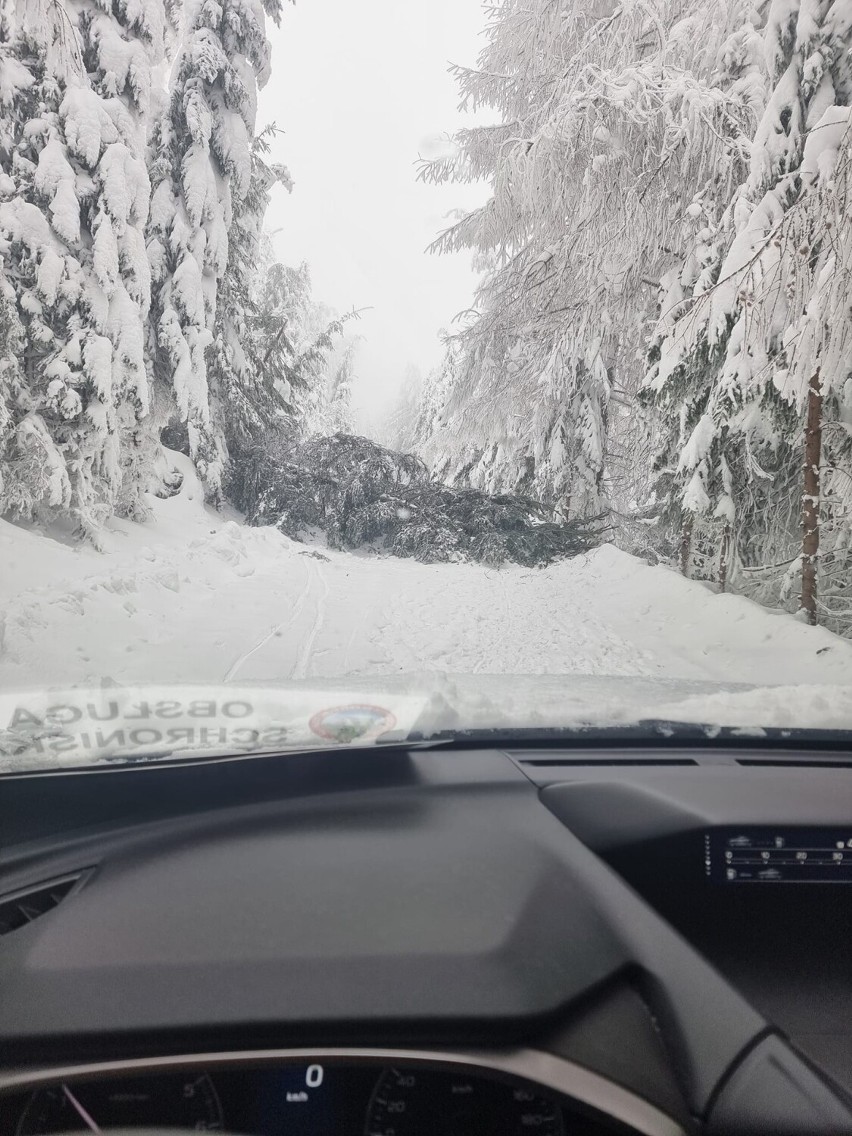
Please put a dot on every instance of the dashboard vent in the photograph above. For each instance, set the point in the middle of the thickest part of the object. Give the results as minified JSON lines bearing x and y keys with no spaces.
{"x":18,"y":908}
{"x":556,"y":762}
{"x":796,"y":762}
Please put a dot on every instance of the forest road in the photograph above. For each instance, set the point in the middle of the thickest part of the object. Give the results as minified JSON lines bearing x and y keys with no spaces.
{"x":208,"y":600}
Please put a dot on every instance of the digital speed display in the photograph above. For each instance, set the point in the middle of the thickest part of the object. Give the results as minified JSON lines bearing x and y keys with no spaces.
{"x":784,"y":855}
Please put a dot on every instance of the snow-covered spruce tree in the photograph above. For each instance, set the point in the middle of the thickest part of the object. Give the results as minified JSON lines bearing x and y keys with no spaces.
{"x":299,"y":362}
{"x":243,"y":394}
{"x":341,"y":372}
{"x":125,"y":47}
{"x":201,"y":160}
{"x":613,"y":119}
{"x":317,"y":362}
{"x":814,"y":371}
{"x":15,"y":483}
{"x":278,"y":362}
{"x":302,"y":347}
{"x":432,"y":436}
{"x":740,"y":340}
{"x":397,"y":426}
{"x":74,"y":197}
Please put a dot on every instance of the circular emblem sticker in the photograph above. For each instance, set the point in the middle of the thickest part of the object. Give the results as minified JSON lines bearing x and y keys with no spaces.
{"x":356,"y":722}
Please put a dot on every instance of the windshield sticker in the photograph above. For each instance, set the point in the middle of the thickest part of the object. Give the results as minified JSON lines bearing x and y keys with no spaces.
{"x":352,"y":723}
{"x":119,"y":724}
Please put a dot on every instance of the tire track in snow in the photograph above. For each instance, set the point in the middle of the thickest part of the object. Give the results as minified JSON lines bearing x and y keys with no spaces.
{"x":276,"y":629}
{"x":303,"y":660}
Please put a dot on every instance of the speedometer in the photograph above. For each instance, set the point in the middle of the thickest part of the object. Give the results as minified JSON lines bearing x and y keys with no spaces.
{"x":411,"y":1102}
{"x":167,"y":1102}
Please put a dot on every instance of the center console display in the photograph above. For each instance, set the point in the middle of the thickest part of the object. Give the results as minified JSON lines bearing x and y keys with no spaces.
{"x":784,"y":855}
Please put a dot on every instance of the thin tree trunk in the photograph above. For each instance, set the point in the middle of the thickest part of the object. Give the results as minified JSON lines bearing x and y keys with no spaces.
{"x":686,"y":542}
{"x":810,"y":499}
{"x":724,"y":557}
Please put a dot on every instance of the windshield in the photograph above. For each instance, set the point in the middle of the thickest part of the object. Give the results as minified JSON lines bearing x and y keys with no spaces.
{"x":372,"y":373}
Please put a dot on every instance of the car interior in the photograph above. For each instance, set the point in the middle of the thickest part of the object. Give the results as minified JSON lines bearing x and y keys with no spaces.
{"x":446,"y":939}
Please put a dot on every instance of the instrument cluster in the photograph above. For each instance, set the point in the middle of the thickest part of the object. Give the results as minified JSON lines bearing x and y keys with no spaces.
{"x":301,"y":1100}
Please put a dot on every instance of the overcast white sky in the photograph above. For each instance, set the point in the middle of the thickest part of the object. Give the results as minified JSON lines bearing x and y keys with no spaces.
{"x":360,"y":89}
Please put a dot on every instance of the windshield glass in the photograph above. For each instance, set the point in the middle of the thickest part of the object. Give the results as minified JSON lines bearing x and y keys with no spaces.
{"x":372,"y":373}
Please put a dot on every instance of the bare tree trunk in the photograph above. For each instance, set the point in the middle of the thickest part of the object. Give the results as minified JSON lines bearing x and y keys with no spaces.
{"x":686,"y":542}
{"x":810,"y":499}
{"x":724,"y":557}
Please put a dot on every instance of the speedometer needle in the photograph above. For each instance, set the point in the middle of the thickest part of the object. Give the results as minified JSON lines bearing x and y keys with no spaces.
{"x":83,"y":1114}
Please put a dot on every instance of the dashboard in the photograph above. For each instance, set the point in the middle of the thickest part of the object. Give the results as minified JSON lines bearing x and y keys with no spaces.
{"x":430,"y":942}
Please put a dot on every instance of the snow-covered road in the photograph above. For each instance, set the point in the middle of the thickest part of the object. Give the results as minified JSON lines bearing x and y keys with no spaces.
{"x":197,"y":598}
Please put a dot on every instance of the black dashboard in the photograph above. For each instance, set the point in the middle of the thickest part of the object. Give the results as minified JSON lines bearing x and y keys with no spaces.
{"x":396,"y":941}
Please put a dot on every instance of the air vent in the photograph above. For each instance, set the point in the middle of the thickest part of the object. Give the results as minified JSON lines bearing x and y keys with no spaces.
{"x":797,"y":762}
{"x":557,"y":762}
{"x":18,"y":908}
